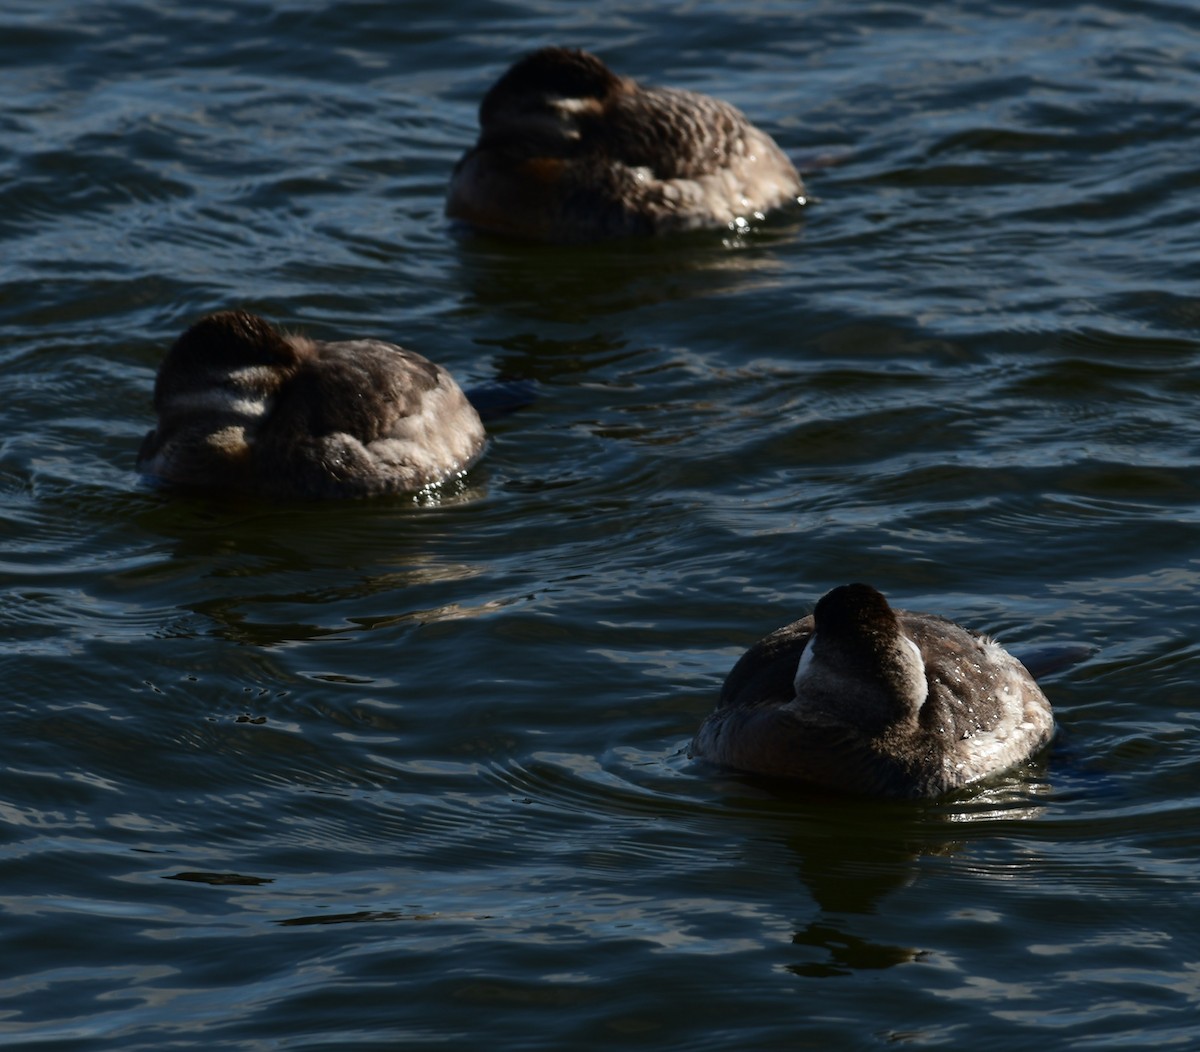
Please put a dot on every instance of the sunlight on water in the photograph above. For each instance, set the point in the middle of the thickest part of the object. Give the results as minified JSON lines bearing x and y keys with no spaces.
{"x":415,"y":771}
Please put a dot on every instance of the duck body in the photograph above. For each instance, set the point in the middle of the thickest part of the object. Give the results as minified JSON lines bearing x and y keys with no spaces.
{"x":569,"y":152}
{"x":864,"y":699}
{"x":242,"y":406}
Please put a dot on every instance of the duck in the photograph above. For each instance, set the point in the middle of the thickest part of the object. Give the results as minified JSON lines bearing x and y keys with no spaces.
{"x":243,"y":406}
{"x":568,"y":151}
{"x":864,"y":699}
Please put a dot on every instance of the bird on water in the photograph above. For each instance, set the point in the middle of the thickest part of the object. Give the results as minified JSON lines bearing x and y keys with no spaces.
{"x":568,"y":151}
{"x":243,"y":406}
{"x":862,"y":698}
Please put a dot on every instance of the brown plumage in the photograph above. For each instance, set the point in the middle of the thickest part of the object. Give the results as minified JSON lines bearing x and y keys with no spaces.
{"x":243,"y":406}
{"x":862,"y":698}
{"x":569,"y":151}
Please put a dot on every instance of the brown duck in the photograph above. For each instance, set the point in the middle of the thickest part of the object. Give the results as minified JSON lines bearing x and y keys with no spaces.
{"x":569,"y":151}
{"x":245,"y":407}
{"x":862,"y":698}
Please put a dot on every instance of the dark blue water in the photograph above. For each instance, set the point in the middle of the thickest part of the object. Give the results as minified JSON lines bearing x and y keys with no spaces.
{"x":413,"y":772}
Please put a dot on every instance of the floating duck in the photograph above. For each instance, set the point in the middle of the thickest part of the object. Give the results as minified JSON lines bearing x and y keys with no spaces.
{"x":861,"y":698}
{"x":569,"y":151}
{"x":245,"y":407}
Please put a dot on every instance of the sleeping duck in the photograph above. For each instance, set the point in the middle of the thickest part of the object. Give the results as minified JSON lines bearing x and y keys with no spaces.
{"x":862,"y":698}
{"x":568,"y":151}
{"x":243,"y":406}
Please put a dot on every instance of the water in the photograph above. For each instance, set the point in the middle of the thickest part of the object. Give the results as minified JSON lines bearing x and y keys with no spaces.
{"x":414,"y":772}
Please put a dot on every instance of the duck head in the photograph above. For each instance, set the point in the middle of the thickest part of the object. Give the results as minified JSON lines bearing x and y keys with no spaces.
{"x":541,"y":105}
{"x":228,"y":345}
{"x":858,"y":660}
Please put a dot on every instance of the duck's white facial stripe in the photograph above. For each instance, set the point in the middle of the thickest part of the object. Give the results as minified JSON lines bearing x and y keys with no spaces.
{"x":218,"y":400}
{"x":252,"y":377}
{"x":577,"y":105}
{"x":244,"y":392}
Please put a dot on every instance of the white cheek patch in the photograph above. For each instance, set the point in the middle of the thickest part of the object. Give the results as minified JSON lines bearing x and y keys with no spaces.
{"x":920,"y":684}
{"x":804,"y":666}
{"x":806,"y":659}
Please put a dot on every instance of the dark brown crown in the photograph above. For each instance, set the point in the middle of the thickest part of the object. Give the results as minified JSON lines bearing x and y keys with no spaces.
{"x":232,"y":338}
{"x":857,"y":628}
{"x":550,"y":72}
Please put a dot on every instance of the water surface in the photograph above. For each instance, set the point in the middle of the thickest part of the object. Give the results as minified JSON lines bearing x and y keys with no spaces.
{"x":414,"y":772}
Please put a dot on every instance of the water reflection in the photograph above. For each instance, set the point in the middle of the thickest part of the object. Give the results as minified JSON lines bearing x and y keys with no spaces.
{"x":853,"y":857}
{"x":261,"y":619}
{"x":357,"y":917}
{"x":268,"y":575}
{"x":846,"y":953}
{"x":572,"y":284}
{"x":221,"y":879}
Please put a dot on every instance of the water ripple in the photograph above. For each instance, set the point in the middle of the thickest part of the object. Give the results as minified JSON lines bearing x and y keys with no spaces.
{"x":369,"y":773}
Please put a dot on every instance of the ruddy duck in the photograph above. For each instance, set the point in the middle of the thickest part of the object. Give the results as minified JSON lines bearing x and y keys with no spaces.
{"x":243,"y":406}
{"x":862,"y":698}
{"x":568,"y":151}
